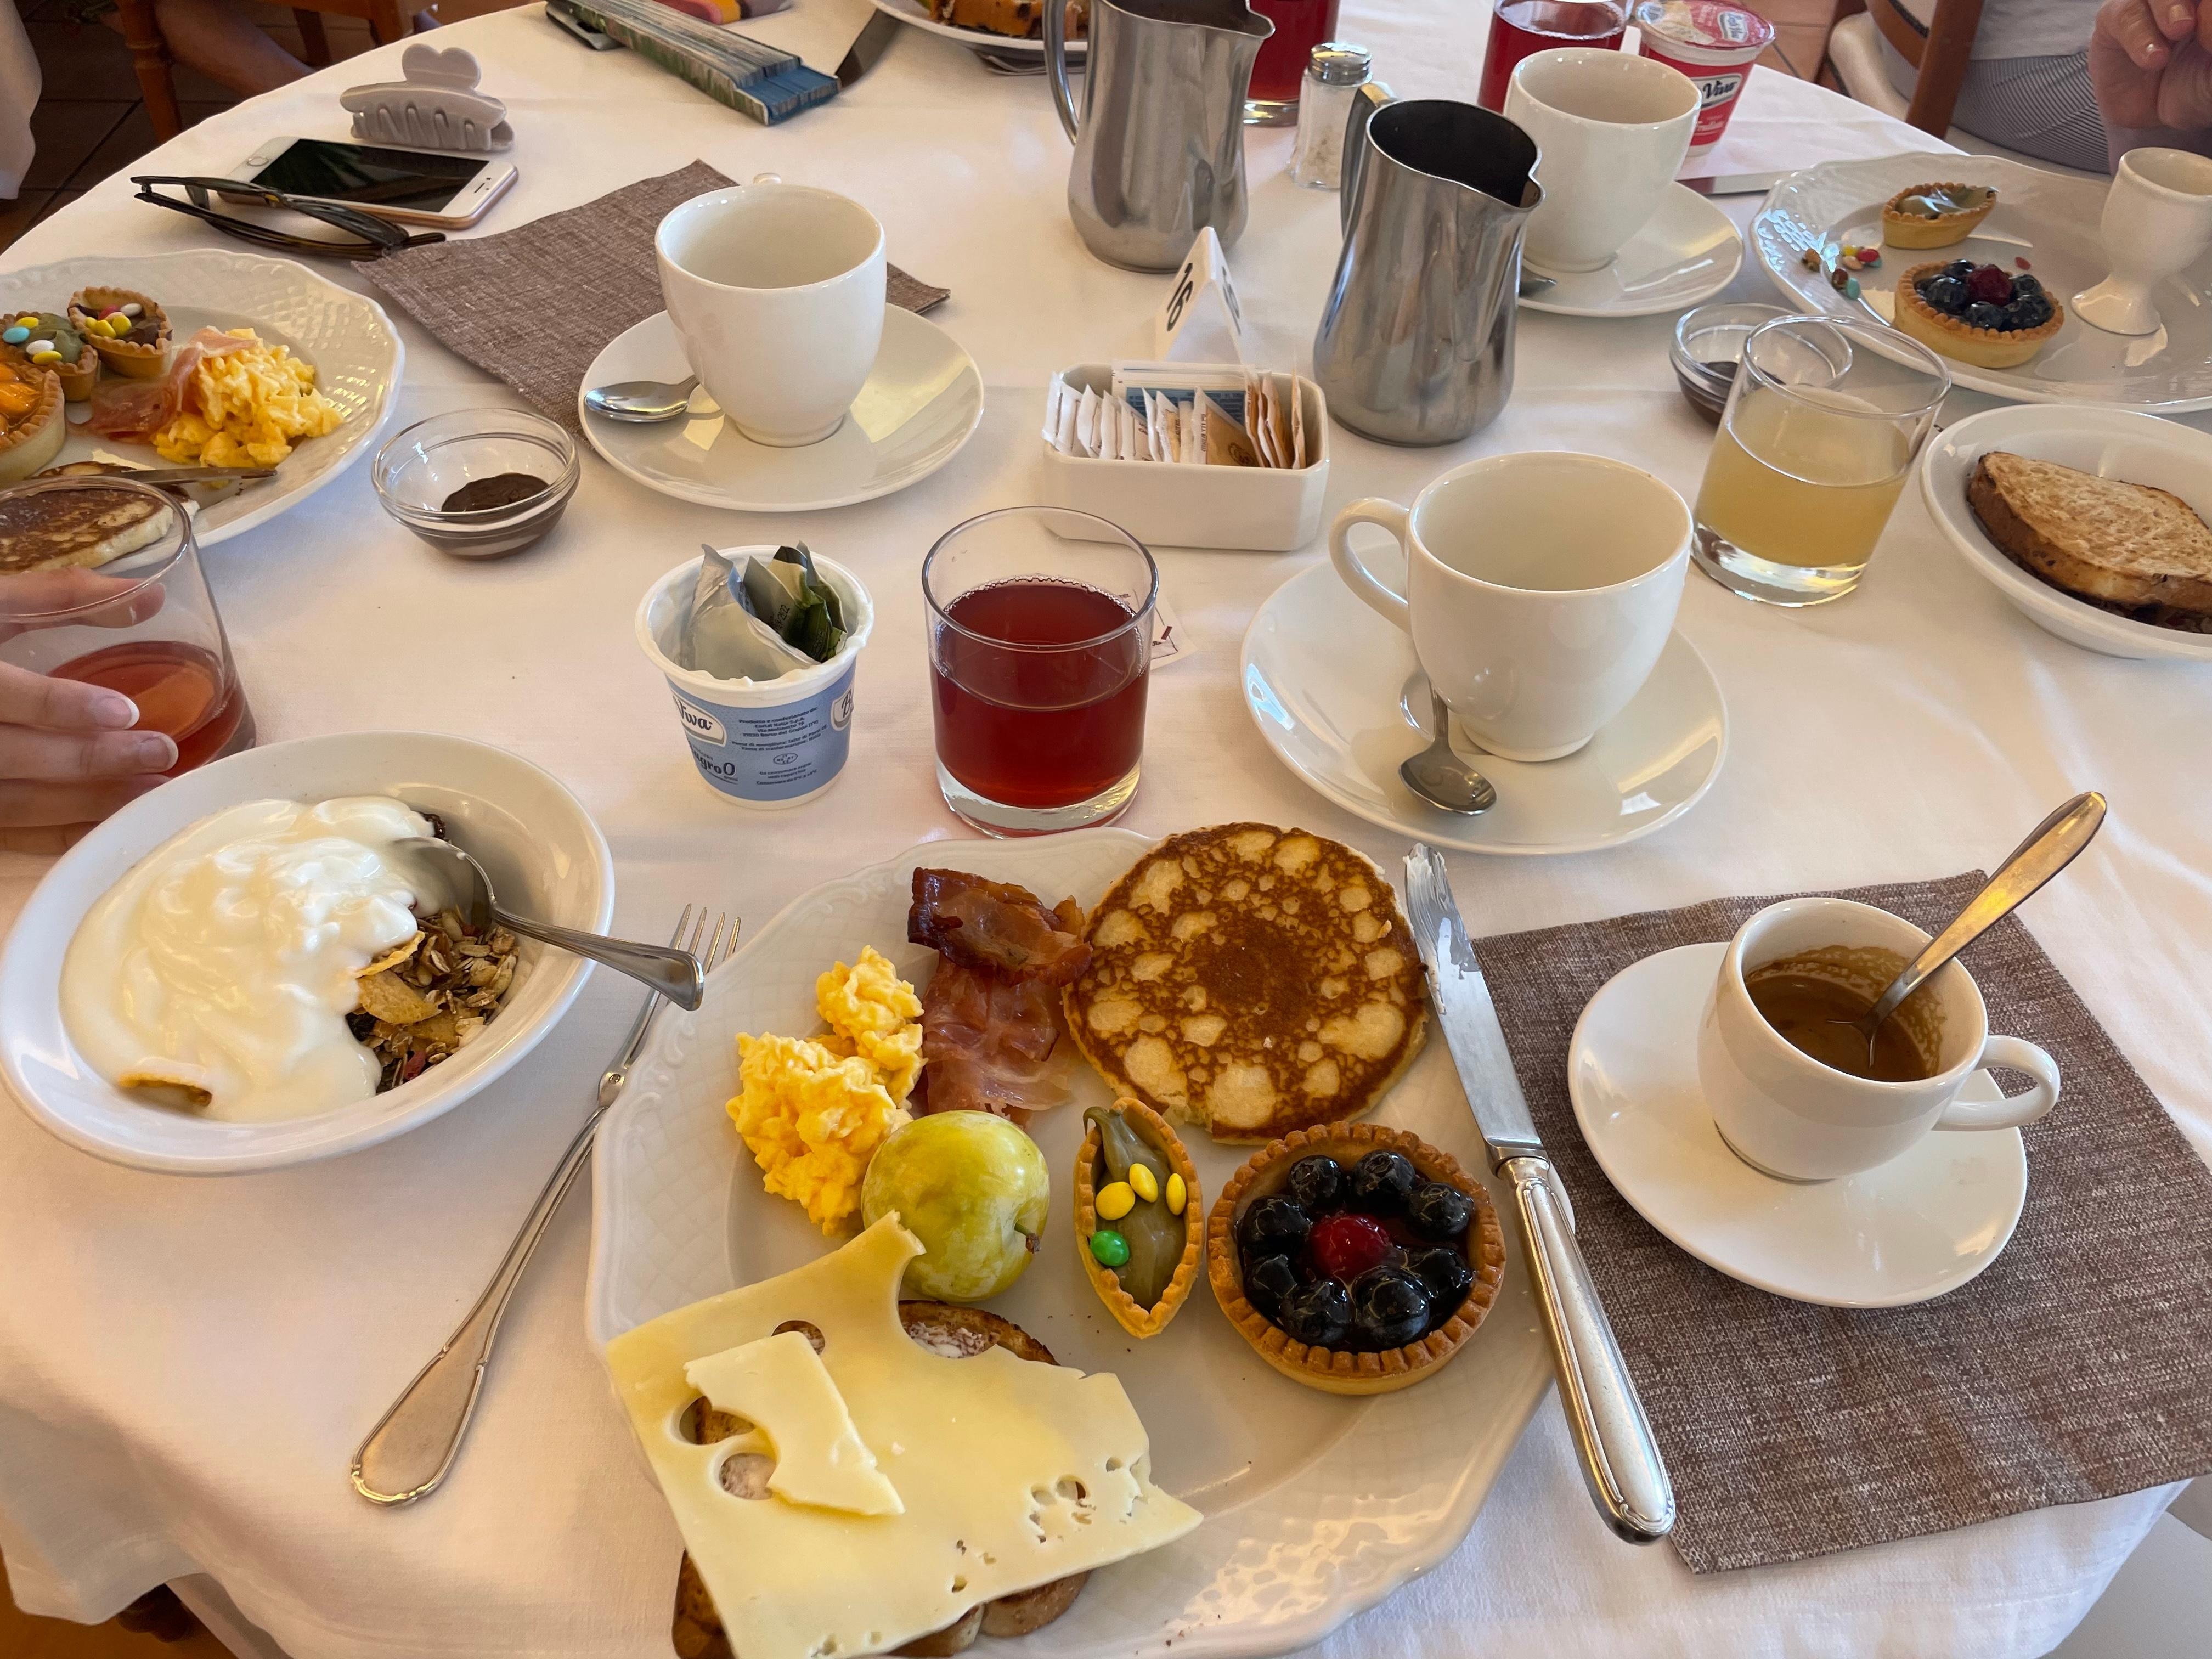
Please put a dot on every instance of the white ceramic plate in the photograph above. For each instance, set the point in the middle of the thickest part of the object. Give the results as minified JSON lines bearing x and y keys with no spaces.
{"x":1920,"y":1225}
{"x":1316,"y":1506}
{"x":351,"y":343}
{"x":1688,"y":252}
{"x":998,"y":46}
{"x":546,"y":856}
{"x":920,"y":405}
{"x":2113,"y":444}
{"x":2048,"y":219}
{"x":1340,"y":698}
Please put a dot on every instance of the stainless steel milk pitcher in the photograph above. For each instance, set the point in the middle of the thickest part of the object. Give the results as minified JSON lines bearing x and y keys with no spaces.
{"x":1159,"y":144}
{"x":1416,"y":340}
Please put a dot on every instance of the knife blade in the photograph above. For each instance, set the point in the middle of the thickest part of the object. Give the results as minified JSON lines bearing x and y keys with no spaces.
{"x":867,"y":46}
{"x":167,"y":475}
{"x":1621,"y":1465}
{"x":1733,"y":183}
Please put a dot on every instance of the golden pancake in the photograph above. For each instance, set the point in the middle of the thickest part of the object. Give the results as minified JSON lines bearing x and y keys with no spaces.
{"x":1252,"y":979}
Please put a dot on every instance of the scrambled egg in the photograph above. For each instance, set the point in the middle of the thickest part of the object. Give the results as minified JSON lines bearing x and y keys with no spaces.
{"x":247,"y":408}
{"x":813,"y":1110}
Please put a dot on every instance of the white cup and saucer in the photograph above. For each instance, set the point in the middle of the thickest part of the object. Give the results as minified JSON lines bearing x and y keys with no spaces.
{"x":1786,"y":1173}
{"x":813,"y":392}
{"x":1615,"y":234}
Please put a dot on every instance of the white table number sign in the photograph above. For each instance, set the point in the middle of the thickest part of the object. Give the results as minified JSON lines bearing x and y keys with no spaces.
{"x":1200,"y":321}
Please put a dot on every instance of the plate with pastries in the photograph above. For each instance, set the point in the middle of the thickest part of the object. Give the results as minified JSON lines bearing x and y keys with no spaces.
{"x":199,"y":359}
{"x":999,"y":28}
{"x":2096,"y":524}
{"x":1980,"y":259}
{"x":1080,"y":1241}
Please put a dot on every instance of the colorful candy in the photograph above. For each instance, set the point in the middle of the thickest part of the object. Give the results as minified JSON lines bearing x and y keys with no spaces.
{"x":15,"y":335}
{"x":1108,"y":1249}
{"x":1116,"y":1200}
{"x":1178,"y":1194}
{"x":1144,"y":1183}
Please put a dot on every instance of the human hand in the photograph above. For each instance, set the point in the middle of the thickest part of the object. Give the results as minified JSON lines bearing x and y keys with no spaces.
{"x":2150,"y":61}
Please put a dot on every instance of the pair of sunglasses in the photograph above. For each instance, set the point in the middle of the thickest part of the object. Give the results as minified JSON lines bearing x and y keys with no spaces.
{"x":365,"y":235}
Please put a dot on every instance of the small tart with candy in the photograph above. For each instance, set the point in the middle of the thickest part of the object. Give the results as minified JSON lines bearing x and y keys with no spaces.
{"x":1934,"y":215}
{"x":1978,"y":314}
{"x":1139,"y":1217}
{"x":55,"y":342}
{"x":129,"y":331}
{"x":32,"y":424}
{"x":1355,"y":1258}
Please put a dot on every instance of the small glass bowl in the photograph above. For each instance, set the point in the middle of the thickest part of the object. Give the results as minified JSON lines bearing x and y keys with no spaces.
{"x":419,"y":471}
{"x":1707,"y":347}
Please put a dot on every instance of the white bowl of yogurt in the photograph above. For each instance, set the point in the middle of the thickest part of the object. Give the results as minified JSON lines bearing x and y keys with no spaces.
{"x":546,"y":856}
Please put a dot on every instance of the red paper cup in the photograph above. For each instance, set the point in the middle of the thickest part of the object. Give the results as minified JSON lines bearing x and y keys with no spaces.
{"x":1712,"y":42}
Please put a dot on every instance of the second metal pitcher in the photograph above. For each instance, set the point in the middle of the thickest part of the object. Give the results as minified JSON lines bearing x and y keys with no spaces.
{"x":1159,"y":142}
{"x":1416,"y":340}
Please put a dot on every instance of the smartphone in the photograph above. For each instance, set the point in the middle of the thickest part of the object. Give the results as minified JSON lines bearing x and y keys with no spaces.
{"x":413,"y":186}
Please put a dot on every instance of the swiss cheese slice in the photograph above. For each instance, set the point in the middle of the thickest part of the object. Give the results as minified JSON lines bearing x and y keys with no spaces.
{"x":781,"y":1385}
{"x":1011,"y":1473}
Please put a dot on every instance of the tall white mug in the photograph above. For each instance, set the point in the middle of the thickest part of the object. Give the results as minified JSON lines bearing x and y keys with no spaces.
{"x":1612,"y":130}
{"x":777,"y":292}
{"x":1541,"y":589}
{"x":1786,"y":1112}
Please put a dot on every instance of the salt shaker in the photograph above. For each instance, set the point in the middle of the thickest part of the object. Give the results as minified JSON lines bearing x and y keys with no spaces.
{"x":1335,"y":74}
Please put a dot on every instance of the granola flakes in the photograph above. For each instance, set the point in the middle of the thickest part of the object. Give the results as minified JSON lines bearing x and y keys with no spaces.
{"x":428,"y":998}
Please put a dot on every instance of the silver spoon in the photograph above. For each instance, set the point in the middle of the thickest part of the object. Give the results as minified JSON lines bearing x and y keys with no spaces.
{"x":443,"y":877}
{"x":640,"y":400}
{"x":2049,"y":849}
{"x":1441,"y":778}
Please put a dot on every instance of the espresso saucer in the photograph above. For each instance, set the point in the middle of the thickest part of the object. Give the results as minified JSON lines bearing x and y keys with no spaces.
{"x":1339,"y":695}
{"x":920,"y":405}
{"x":1920,"y":1225}
{"x":1688,"y":252}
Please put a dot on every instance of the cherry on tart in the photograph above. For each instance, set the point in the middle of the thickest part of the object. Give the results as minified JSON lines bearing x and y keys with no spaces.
{"x":1978,"y":314}
{"x":1355,"y":1258}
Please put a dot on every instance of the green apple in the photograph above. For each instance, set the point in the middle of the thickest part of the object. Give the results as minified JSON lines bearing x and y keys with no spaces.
{"x":974,"y":1189}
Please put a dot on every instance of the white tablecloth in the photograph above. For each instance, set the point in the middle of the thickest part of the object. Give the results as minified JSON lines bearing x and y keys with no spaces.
{"x":185,"y":1366}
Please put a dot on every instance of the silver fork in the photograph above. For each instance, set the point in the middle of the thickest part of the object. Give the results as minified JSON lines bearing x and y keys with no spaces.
{"x":409,"y":1451}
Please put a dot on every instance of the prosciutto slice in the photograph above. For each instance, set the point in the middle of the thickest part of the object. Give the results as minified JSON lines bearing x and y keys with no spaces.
{"x":991,"y":1044}
{"x":132,"y":411}
{"x":998,"y":927}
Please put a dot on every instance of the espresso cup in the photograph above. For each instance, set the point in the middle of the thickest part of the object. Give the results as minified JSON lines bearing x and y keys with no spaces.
{"x":1611,"y":131}
{"x":1784,"y":1113}
{"x":1540,"y":591}
{"x":776,"y":291}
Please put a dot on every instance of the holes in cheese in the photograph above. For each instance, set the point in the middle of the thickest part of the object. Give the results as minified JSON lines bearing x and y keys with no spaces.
{"x":780,"y":1384}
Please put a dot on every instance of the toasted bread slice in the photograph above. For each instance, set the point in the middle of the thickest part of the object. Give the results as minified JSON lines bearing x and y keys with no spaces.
{"x":2101,"y":539}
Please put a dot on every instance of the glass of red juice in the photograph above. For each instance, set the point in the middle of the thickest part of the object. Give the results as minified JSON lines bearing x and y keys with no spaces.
{"x":1040,"y":623}
{"x":143,"y":624}
{"x":1522,"y":29}
{"x":1280,"y":68}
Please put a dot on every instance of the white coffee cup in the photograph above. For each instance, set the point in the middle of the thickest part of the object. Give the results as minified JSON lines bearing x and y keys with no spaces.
{"x":777,"y":293}
{"x":1611,"y":131}
{"x":1541,"y":589}
{"x":1786,"y":1112}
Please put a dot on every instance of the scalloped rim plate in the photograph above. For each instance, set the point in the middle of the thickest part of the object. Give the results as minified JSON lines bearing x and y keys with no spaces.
{"x":355,"y":351}
{"x":1000,"y":46}
{"x":1317,"y":1507}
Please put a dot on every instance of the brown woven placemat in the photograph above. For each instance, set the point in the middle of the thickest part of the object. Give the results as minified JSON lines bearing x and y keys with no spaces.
{"x":510,"y":303}
{"x":2078,"y":1365}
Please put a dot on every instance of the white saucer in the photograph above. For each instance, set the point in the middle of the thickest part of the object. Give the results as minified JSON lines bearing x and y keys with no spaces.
{"x":1919,"y":1226}
{"x":1334,"y":689}
{"x":920,"y":405}
{"x":1689,"y":252}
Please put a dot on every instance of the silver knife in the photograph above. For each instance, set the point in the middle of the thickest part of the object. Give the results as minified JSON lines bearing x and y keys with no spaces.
{"x":171,"y":475}
{"x":1620,"y":1461}
{"x":1733,"y":183}
{"x":867,"y":46}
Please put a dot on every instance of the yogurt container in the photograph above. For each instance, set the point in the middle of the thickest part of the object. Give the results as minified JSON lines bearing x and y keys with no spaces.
{"x":763,"y":743}
{"x":1714,"y":44}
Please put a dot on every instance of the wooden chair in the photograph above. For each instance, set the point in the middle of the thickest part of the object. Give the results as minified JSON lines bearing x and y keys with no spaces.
{"x":388,"y":20}
{"x":1938,"y":53}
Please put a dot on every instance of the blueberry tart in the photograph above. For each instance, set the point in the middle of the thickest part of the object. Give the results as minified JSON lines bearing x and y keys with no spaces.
{"x":1934,"y":215}
{"x":1978,"y":314}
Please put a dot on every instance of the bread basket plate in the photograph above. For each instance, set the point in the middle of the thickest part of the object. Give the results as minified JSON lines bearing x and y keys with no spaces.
{"x":2046,"y":220}
{"x":355,"y":351}
{"x":1316,"y":1507}
{"x":998,"y":46}
{"x":2113,"y":444}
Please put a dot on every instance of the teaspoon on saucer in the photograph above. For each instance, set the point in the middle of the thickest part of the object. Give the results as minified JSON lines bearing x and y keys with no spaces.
{"x":1441,"y":778}
{"x":640,"y":400}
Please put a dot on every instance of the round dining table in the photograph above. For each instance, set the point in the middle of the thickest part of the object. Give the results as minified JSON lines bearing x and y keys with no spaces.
{"x":187,"y":1364}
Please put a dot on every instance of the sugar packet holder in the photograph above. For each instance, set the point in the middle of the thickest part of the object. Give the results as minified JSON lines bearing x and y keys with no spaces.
{"x":1173,"y":502}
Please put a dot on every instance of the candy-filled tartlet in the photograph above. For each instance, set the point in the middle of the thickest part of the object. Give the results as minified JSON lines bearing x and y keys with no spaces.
{"x":54,"y":342}
{"x":129,"y":331}
{"x":1139,"y":1217}
{"x":1934,"y":215}
{"x":1355,"y":1258}
{"x":1978,"y":314}
{"x":32,"y":425}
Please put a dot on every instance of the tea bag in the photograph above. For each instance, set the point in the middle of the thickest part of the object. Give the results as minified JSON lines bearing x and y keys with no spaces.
{"x":1054,"y":396}
{"x":1064,"y":435}
{"x":758,"y":620}
{"x":1086,"y":423}
{"x":1194,"y":434}
{"x":1298,"y":424}
{"x":1225,"y":442}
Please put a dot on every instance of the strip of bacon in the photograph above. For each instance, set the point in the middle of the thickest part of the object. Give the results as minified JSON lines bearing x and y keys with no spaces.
{"x":991,"y":1044}
{"x":997,"y":926}
{"x":133,"y":411}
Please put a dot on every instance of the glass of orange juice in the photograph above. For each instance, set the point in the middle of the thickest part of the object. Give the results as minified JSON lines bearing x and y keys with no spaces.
{"x":1824,"y":422}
